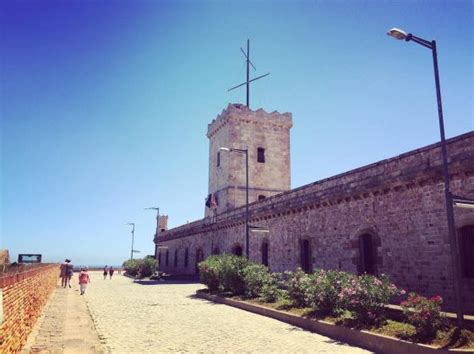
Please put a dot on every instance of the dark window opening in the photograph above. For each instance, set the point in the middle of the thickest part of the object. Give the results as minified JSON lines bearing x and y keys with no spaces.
{"x":163,"y":230}
{"x":218,"y":158}
{"x":367,"y":254}
{"x":261,"y":155}
{"x":215,"y":250}
{"x":159,"y":259}
{"x":186,"y":256}
{"x":265,"y":253}
{"x":176,"y":258}
{"x":199,"y":258}
{"x":167,"y":257}
{"x":467,"y":251}
{"x":261,"y":197}
{"x":306,"y":256}
{"x":237,"y":250}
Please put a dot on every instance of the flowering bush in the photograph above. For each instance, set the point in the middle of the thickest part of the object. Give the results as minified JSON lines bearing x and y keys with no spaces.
{"x":325,"y":289}
{"x":367,"y":295}
{"x":298,"y":284}
{"x":424,"y":314}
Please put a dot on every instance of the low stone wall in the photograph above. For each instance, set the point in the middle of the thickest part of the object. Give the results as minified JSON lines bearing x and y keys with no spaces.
{"x":23,"y":297}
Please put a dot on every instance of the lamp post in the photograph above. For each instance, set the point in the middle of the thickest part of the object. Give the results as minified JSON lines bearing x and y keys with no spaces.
{"x":133,"y":237}
{"x":246,"y":153}
{"x":157,"y":222}
{"x":402,"y":35}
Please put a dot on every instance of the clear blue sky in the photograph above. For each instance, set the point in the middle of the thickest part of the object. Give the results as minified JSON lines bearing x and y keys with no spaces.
{"x":105,"y":104}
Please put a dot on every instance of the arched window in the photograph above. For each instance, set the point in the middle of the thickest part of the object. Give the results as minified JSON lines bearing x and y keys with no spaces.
{"x":367,"y":254}
{"x":261,"y":197}
{"x":237,"y":250}
{"x":167,"y":257}
{"x":265,"y":253}
{"x":175,"y":258}
{"x":159,"y":258}
{"x":186,"y":257}
{"x":467,"y":250}
{"x":305,"y":255}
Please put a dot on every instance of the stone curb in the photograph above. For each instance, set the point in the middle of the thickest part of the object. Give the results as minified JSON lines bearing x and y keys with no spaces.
{"x":371,"y":341}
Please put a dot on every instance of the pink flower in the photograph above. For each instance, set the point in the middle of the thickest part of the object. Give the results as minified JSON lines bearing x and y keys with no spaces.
{"x":402,"y":292}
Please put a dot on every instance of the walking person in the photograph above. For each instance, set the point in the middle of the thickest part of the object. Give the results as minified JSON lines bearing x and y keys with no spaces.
{"x":105,"y":272}
{"x":63,"y":273}
{"x":84,"y":279}
{"x":111,"y":271}
{"x":69,"y":272}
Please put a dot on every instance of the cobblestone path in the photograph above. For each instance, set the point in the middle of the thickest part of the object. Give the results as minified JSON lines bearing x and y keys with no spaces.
{"x":65,"y":325}
{"x":134,"y":318}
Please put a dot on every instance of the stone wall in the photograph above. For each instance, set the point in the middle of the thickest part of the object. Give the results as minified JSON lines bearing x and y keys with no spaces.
{"x":399,"y":202}
{"x":24,"y":296}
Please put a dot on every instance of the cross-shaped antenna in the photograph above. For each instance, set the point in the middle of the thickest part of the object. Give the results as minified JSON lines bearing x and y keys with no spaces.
{"x":154,"y":208}
{"x":247,"y":57}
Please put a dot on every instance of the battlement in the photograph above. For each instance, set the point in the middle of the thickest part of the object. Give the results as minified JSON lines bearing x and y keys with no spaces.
{"x":241,"y":113}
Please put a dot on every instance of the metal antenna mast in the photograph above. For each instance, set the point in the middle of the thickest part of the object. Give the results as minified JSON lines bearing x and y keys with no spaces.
{"x":157,"y":215}
{"x":247,"y":83}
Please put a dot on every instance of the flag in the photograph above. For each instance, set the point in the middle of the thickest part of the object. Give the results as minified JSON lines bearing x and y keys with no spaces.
{"x":213,"y":202}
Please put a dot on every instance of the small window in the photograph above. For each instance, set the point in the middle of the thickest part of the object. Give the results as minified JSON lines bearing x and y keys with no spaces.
{"x":265,"y":253}
{"x":467,"y":251}
{"x":261,"y":155}
{"x":167,"y":257}
{"x":261,"y":197}
{"x":186,"y":256}
{"x":218,"y":158}
{"x":216,"y":250}
{"x":159,"y":259}
{"x":305,"y":256}
{"x":176,"y":258}
{"x":367,"y":254}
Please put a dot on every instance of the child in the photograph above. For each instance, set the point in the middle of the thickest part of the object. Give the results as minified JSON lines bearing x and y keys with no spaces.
{"x":84,"y":280}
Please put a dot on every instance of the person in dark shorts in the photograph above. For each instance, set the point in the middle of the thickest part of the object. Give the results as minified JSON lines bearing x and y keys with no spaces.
{"x":105,"y":272}
{"x":69,"y":272}
{"x":111,"y":271}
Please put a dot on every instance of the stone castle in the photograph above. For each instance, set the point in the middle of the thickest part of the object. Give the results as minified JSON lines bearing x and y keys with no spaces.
{"x":387,"y":217}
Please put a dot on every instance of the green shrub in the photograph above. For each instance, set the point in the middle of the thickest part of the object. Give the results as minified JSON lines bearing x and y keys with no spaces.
{"x":140,"y":267}
{"x":232,"y":274}
{"x":224,"y":273}
{"x":131,"y":266}
{"x":260,"y":282}
{"x":147,"y":267}
{"x":210,"y":272}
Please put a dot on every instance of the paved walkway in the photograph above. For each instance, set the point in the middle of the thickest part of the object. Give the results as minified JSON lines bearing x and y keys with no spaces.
{"x":65,"y":326}
{"x":136,"y":318}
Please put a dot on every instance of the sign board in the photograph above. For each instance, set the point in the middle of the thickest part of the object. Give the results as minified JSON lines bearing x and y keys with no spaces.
{"x":29,"y":258}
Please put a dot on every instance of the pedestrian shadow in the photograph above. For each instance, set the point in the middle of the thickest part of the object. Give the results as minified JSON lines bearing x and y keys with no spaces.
{"x":165,"y":282}
{"x":196,"y":297}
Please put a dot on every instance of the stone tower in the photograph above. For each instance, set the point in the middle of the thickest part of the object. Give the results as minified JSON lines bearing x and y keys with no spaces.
{"x":267,"y":138}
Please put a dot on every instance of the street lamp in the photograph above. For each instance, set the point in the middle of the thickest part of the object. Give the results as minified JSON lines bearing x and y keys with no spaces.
{"x":157,"y":221}
{"x":402,"y":35}
{"x":246,"y":152}
{"x":133,"y":237}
